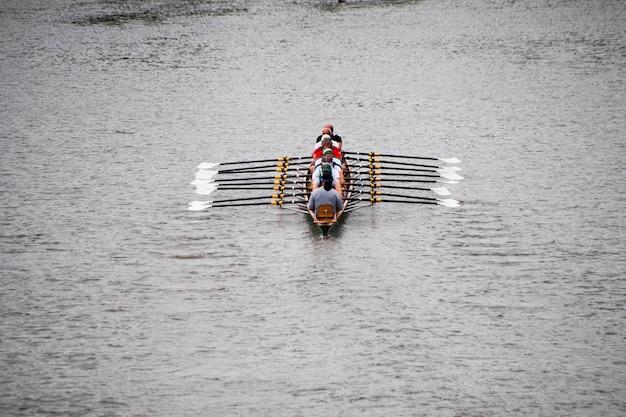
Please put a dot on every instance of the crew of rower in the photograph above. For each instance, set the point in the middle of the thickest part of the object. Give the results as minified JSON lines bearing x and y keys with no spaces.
{"x":327,"y":179}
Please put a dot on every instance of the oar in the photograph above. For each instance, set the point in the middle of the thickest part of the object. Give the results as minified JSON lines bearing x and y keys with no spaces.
{"x":209,"y":204}
{"x":231,"y":200}
{"x":244,"y":182}
{"x":451,"y":175}
{"x":277,"y":186}
{"x":229,"y":187}
{"x":420,"y":181}
{"x":443,"y":191}
{"x":208,"y":175}
{"x":380,"y":193}
{"x":280,"y":167}
{"x":206,"y":187}
{"x":412,"y":164}
{"x":210,"y":189}
{"x":421,"y":168}
{"x":202,"y":205}
{"x":273,"y":168}
{"x":447,"y":202}
{"x":250,"y":181}
{"x":376,"y":154}
{"x":211,"y":165}
{"x":213,"y":203}
{"x":446,"y":170}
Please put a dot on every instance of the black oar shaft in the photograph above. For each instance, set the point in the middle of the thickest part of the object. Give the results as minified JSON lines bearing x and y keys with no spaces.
{"x":259,"y":186}
{"x":375,"y":154}
{"x":254,"y":180}
{"x":386,"y":180}
{"x":283,"y":176}
{"x":281,"y":167}
{"x":399,"y":187}
{"x":380,"y":200}
{"x":243,"y":187}
{"x":262,"y":203}
{"x":380,"y":193}
{"x":398,"y":168}
{"x":402,"y":174}
{"x":277,"y":160}
{"x":263,"y":197}
{"x":412,"y":164}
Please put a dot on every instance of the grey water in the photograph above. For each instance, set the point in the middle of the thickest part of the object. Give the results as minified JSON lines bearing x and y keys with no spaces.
{"x":117,"y":300}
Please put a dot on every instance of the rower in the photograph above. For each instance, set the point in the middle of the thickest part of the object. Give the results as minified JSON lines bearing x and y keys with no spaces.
{"x":318,"y":175}
{"x":330,"y":130}
{"x":325,"y":142}
{"x":326,"y":147}
{"x":325,"y":197}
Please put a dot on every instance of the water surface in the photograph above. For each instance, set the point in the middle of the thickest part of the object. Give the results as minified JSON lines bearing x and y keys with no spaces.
{"x":116,"y":300}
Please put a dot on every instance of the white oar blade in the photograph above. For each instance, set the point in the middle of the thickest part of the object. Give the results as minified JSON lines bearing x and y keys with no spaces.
{"x":205,"y":175}
{"x":449,"y":202}
{"x":451,"y":175}
{"x":199,"y":205}
{"x":202,"y":182}
{"x":450,"y":160}
{"x":443,"y":191}
{"x":205,"y":190}
{"x":447,"y":182}
{"x":198,"y":208}
{"x":208,"y":165}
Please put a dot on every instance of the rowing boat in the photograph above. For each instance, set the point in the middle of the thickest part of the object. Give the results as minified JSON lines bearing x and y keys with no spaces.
{"x":370,"y":177}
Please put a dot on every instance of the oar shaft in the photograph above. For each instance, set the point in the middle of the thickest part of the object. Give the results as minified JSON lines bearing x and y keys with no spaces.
{"x":376,"y":154}
{"x":412,"y":164}
{"x":254,"y":180}
{"x":371,"y":166}
{"x":263,"y":197}
{"x":380,"y":193}
{"x":268,"y":179}
{"x":386,"y":180}
{"x":264,"y":203}
{"x":380,"y":200}
{"x":402,"y":174}
{"x":249,"y":186}
{"x":277,"y":160}
{"x":399,"y":187}
{"x":243,"y":187}
{"x":282,"y":167}
{"x":429,"y":158}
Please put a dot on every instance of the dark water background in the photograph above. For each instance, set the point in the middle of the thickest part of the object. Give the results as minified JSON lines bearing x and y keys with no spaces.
{"x":116,"y":300}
